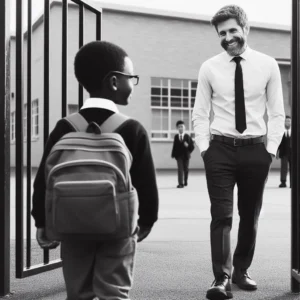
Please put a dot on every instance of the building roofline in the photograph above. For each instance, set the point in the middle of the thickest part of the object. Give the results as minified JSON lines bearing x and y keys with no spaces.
{"x":179,"y":15}
{"x":130,"y":9}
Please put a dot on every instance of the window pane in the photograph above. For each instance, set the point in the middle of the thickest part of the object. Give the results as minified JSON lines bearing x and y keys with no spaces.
{"x":185,"y":83}
{"x":155,"y":91}
{"x":175,"y":116}
{"x":185,"y":93}
{"x":186,"y":119}
{"x":175,"y":102}
{"x":155,"y":81}
{"x":192,"y":102}
{"x":165,"y":82}
{"x":165,"y":119}
{"x":193,"y":92}
{"x":165,"y":101}
{"x":176,"y":92}
{"x":165,"y":91}
{"x":155,"y":101}
{"x":159,"y":135}
{"x":194,"y":84}
{"x":185,"y":101}
{"x":176,"y":83}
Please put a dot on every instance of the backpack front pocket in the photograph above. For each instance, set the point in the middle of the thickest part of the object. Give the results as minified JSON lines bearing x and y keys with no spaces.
{"x":85,"y":207}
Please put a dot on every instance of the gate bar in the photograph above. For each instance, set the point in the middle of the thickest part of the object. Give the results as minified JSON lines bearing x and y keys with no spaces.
{"x":46,"y":85}
{"x":81,"y":41}
{"x":19,"y":141}
{"x":5,"y":148}
{"x":28,"y":135}
{"x":295,"y":167}
{"x":64,"y":72}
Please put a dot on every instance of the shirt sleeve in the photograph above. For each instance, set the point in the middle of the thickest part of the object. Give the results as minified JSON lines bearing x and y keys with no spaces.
{"x":275,"y":109}
{"x":39,"y":185}
{"x":143,"y":173}
{"x":201,"y":111}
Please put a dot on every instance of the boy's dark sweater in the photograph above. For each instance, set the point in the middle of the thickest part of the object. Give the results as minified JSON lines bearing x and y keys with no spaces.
{"x":142,"y":169}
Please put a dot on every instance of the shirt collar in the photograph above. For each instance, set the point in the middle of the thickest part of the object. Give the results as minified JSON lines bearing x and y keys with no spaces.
{"x":100,"y":103}
{"x":244,"y":55}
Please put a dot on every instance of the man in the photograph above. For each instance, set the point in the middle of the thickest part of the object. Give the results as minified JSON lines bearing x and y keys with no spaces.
{"x":183,"y":145}
{"x":238,"y":85}
{"x":285,"y":152}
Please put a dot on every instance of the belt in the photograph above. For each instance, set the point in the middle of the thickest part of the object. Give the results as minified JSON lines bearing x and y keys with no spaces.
{"x":238,"y":142}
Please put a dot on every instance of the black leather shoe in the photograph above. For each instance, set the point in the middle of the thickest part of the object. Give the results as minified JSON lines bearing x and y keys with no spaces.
{"x":220,"y":289}
{"x":180,"y":186}
{"x":185,"y":184}
{"x":282,"y":185}
{"x":243,"y":280}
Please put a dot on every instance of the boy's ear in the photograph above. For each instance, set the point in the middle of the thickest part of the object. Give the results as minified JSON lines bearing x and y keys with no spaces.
{"x":113,"y":83}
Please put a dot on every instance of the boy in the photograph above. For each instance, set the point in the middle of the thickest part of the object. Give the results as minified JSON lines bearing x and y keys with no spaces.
{"x":183,"y":146}
{"x":103,"y":269}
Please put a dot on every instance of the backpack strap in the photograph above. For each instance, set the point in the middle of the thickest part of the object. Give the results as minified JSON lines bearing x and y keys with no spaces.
{"x":77,"y":121}
{"x":113,"y":122}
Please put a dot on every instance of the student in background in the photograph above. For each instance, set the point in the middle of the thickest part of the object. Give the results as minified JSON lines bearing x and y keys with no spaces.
{"x":183,"y":146}
{"x":285,"y":152}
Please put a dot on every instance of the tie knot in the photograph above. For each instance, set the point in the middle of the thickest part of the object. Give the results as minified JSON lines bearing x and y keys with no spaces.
{"x":237,"y":59}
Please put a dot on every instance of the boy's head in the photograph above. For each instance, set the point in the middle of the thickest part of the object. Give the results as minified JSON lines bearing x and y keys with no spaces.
{"x":288,"y":122}
{"x":105,"y":70}
{"x":180,"y":126}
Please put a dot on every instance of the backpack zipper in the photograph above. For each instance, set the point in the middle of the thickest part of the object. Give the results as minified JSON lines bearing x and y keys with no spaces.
{"x":90,"y":181}
{"x":61,"y":147}
{"x":85,"y":162}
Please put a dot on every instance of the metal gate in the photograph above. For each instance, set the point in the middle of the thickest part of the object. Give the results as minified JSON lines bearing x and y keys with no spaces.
{"x":295,"y":208}
{"x":23,"y":169}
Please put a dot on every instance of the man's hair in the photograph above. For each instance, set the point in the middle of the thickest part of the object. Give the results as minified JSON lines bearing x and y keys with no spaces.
{"x":95,"y":60}
{"x":180,"y":122}
{"x":287,"y":117}
{"x":230,"y":12}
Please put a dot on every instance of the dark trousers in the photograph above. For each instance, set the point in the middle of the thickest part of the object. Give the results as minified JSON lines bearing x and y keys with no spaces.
{"x":182,"y":169}
{"x":284,"y":168}
{"x":225,"y":166}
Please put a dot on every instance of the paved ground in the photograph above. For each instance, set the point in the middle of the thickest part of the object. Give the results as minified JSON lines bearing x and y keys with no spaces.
{"x":174,"y":262}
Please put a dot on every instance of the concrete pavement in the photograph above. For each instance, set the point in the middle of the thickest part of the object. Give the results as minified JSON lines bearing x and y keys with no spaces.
{"x":174,"y":262}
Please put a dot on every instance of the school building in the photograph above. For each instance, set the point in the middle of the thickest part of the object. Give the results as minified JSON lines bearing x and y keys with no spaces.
{"x":167,"y":49}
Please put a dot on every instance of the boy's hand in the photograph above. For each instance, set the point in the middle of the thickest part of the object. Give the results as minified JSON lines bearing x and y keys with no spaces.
{"x":143,"y":233}
{"x":186,"y":144}
{"x":43,"y":241}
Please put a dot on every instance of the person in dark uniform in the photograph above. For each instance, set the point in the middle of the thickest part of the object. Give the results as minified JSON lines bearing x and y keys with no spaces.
{"x":284,"y":153}
{"x":183,"y":146}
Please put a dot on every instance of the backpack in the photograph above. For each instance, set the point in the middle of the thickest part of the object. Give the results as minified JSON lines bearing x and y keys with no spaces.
{"x":89,"y":194}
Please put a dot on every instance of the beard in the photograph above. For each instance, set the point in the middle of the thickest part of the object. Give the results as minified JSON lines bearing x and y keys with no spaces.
{"x":237,"y":49}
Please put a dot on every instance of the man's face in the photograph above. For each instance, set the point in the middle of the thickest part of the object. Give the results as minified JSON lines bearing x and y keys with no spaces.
{"x":180,"y":128}
{"x":288,"y":123}
{"x":125,"y":84}
{"x":233,"y":37}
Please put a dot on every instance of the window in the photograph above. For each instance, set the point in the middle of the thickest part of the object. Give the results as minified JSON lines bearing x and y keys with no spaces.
{"x":13,"y":126}
{"x":35,"y":118}
{"x":171,"y":100}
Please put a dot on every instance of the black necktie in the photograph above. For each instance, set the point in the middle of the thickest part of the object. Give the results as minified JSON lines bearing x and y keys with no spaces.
{"x":240,"y":113}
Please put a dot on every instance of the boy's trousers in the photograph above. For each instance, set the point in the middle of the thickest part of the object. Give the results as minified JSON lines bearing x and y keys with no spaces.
{"x":98,"y":269}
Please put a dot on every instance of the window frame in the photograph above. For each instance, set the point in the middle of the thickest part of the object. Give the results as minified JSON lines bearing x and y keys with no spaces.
{"x":171,"y":127}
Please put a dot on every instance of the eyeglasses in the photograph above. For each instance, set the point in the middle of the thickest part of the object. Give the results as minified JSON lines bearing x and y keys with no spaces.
{"x":134,"y":78}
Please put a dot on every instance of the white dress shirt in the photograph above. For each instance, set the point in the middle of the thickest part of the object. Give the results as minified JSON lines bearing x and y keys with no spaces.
{"x":214,"y":109}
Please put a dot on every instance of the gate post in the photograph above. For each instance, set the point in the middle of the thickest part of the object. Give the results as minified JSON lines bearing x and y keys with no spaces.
{"x":5,"y":148}
{"x":295,"y":166}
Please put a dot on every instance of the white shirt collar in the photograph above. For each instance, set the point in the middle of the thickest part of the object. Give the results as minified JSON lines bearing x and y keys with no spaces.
{"x":100,"y":103}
